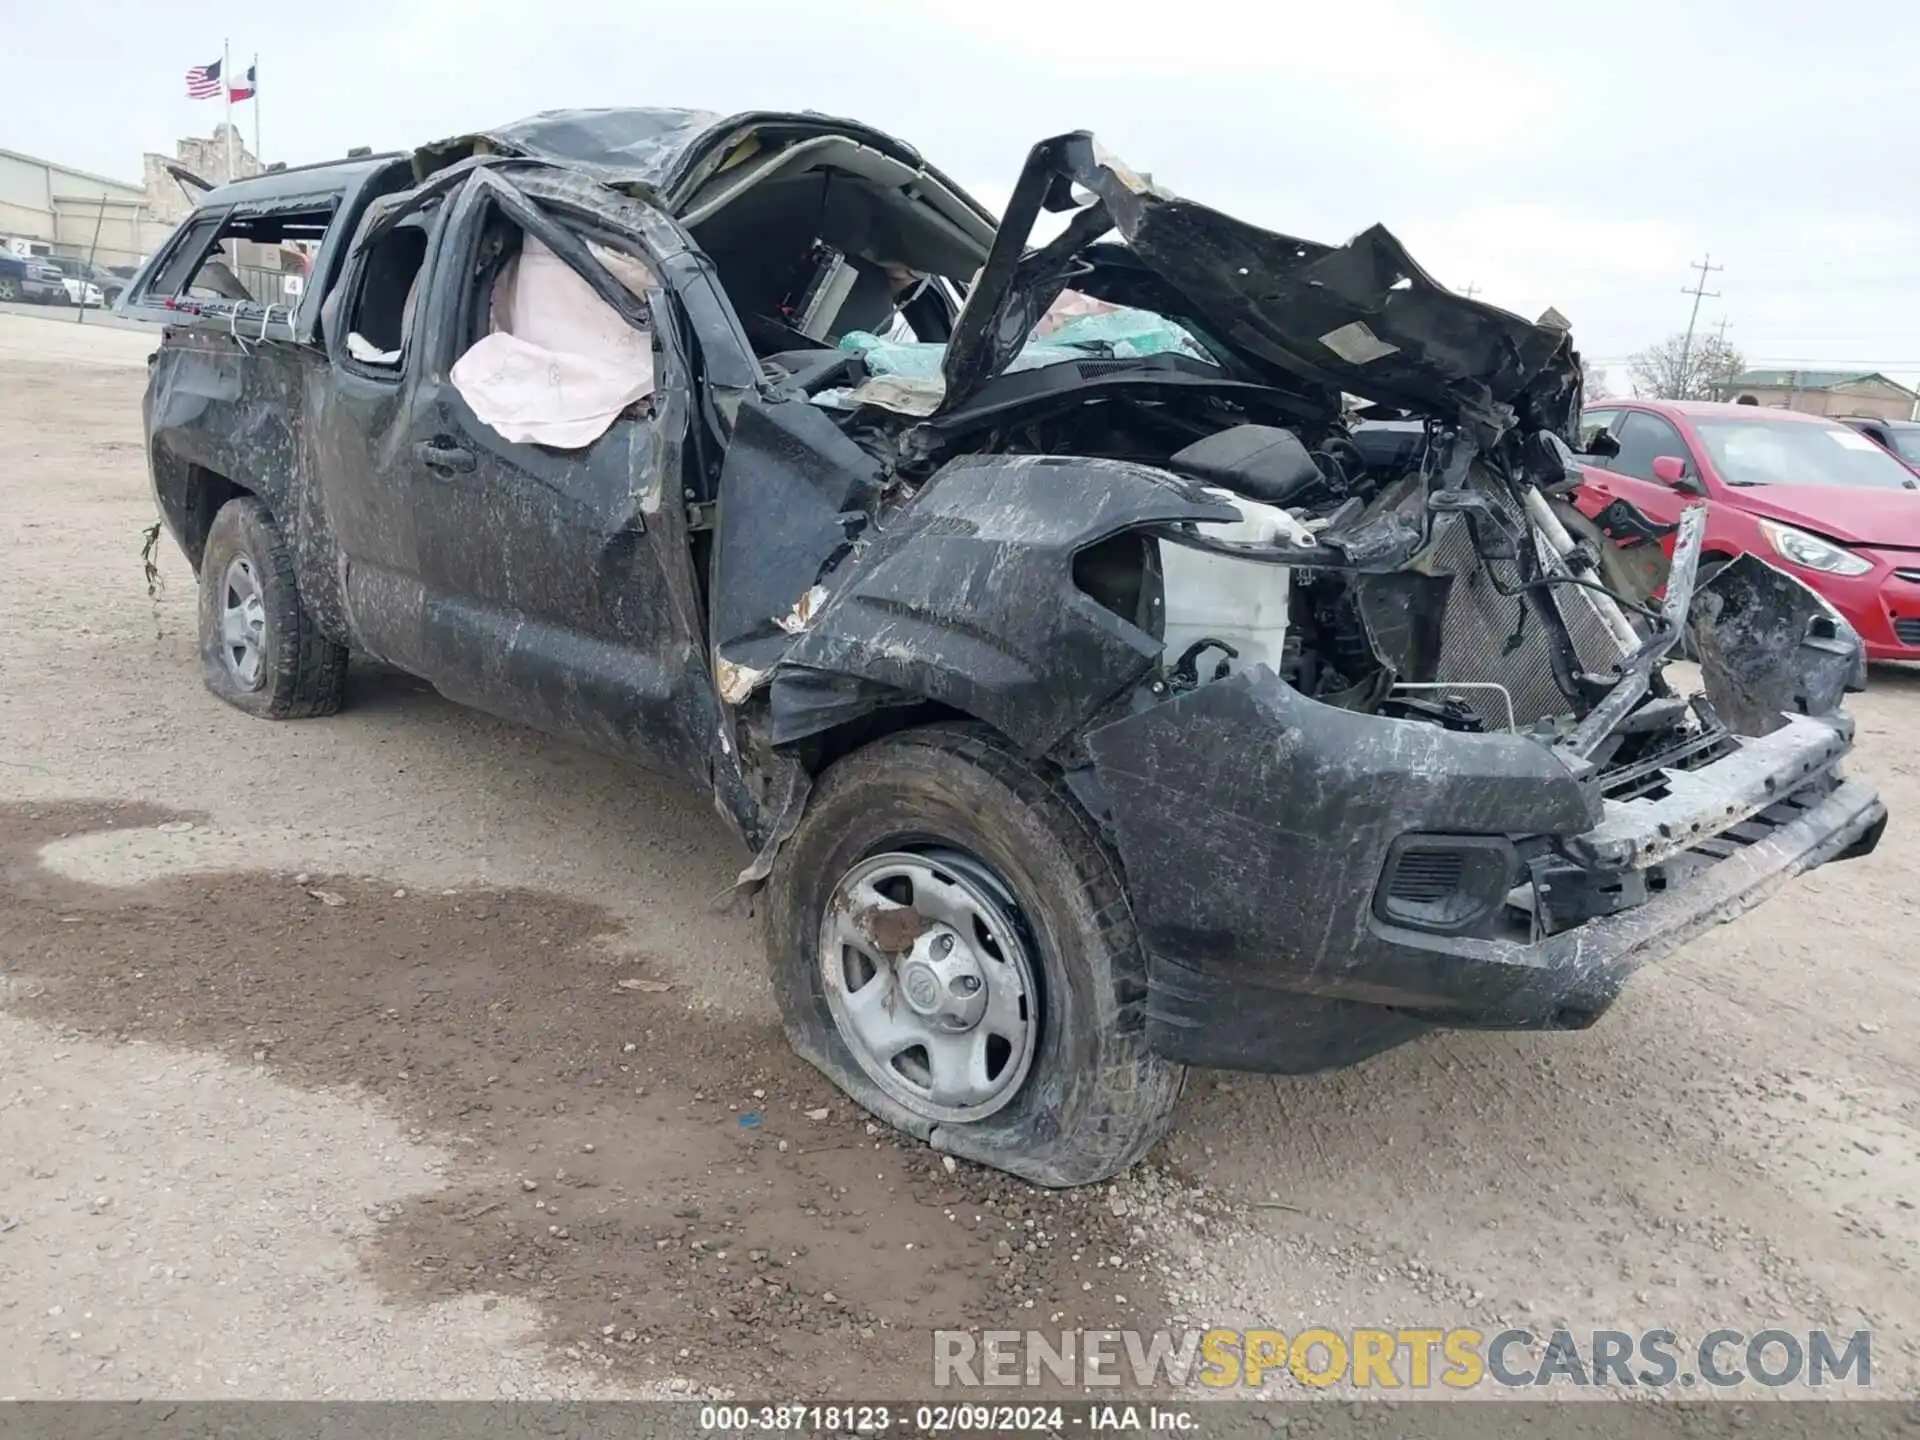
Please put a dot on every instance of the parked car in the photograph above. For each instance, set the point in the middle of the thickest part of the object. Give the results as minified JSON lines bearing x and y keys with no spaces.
{"x":78,"y":288}
{"x":1900,"y":438}
{"x":110,"y":280}
{"x":1090,"y":706}
{"x":1803,"y":492}
{"x":30,"y":278}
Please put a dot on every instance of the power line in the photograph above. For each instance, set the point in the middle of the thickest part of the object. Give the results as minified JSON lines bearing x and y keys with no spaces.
{"x":1699,"y":292}
{"x":1777,"y":362}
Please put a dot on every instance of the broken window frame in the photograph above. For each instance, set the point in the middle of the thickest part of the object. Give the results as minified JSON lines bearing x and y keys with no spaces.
{"x":691,"y":313}
{"x":451,"y":262}
{"x":351,"y":286}
{"x":160,"y":291}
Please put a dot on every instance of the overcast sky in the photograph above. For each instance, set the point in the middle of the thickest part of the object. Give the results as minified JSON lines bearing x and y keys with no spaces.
{"x":1578,"y":157}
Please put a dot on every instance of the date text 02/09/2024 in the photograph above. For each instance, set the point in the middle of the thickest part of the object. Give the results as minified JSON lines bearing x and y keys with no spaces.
{"x":942,"y":1419}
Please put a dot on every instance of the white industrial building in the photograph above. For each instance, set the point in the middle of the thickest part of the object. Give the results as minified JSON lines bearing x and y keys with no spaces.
{"x":76,"y":213}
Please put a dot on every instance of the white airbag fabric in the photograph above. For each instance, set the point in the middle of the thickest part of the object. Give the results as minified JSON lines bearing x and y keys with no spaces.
{"x":561,"y":363}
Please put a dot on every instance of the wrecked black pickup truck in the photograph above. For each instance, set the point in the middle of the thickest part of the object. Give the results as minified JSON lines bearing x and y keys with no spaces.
{"x":1168,"y":643}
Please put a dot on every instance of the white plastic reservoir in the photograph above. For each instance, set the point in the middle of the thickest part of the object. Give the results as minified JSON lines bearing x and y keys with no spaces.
{"x":1242,"y":602}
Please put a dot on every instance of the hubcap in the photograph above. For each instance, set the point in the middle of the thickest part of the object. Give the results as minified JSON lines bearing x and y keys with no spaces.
{"x":929,"y":978}
{"x":243,"y":624}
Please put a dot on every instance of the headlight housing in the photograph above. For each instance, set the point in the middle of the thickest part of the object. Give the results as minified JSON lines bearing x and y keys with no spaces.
{"x":1810,"y":552}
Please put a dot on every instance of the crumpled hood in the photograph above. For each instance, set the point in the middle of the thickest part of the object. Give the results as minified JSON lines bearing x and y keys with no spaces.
{"x":1361,"y":318}
{"x":1854,"y":514}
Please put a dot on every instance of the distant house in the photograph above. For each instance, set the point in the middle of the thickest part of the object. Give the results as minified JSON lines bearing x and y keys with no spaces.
{"x":1823,"y":392}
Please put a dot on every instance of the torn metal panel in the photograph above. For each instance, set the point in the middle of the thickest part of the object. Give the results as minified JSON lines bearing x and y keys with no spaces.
{"x":1770,"y":647}
{"x":967,"y":597}
{"x":1362,"y":318}
{"x":1637,"y":670}
{"x":1016,"y":287}
{"x":794,"y":494}
{"x":1637,"y":833}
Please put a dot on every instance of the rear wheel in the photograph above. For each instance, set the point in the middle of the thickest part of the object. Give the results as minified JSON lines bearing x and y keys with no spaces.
{"x":952,"y":945}
{"x":259,"y":649}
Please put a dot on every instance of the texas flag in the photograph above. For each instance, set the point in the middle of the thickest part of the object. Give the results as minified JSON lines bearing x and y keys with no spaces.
{"x":244,"y":89}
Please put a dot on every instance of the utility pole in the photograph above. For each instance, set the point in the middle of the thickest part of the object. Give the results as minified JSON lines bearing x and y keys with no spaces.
{"x":1720,"y":354}
{"x":1471,"y":290}
{"x":1699,"y":292}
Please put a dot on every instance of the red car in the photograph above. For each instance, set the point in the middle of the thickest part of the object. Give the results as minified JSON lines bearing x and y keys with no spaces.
{"x":1808,"y":494}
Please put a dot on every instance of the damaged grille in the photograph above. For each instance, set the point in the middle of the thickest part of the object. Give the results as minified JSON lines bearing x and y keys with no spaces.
{"x":1424,"y":877}
{"x":1504,"y":639}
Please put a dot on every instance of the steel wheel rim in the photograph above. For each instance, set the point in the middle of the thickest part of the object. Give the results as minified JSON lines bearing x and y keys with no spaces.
{"x":906,"y":1004}
{"x":243,"y":624}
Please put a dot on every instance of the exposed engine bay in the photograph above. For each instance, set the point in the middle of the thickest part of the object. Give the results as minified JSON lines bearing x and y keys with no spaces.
{"x":1383,"y":568}
{"x":1168,"y":486}
{"x":1397,"y":566}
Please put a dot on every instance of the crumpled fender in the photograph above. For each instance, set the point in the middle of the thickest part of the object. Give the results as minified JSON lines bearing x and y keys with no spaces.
{"x":1769,"y":647}
{"x":1254,"y":823}
{"x":967,"y":598}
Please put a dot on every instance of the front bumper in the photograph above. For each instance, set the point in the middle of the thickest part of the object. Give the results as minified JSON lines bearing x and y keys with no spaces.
{"x":1883,"y":606}
{"x":1256,"y":827}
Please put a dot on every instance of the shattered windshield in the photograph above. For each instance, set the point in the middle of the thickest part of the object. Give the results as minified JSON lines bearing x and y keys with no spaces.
{"x":1789,"y":452}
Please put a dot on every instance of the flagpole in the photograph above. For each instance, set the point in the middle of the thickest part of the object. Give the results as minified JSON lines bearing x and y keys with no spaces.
{"x":253,"y":83}
{"x":226,"y":91}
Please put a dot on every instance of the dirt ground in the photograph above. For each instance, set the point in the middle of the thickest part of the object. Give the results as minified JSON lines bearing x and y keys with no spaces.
{"x":402,"y":1054}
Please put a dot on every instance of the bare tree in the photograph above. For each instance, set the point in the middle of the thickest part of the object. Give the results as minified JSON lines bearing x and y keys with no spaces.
{"x":1594,"y":385}
{"x":1673,"y":370}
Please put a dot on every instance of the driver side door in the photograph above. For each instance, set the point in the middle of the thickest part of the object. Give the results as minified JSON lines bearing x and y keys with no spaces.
{"x":552,"y":586}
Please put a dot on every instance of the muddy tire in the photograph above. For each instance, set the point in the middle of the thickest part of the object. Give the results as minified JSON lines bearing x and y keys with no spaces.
{"x":1080,"y":1097}
{"x":259,"y":649}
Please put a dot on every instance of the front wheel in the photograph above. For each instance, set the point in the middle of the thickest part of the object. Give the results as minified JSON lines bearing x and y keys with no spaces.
{"x":952,"y":946}
{"x":9,"y":289}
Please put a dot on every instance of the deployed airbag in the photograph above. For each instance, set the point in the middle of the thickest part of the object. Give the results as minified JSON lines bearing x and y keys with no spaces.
{"x":560,"y":364}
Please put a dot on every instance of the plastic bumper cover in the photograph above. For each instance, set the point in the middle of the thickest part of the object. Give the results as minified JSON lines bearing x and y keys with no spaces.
{"x":1255,"y":826}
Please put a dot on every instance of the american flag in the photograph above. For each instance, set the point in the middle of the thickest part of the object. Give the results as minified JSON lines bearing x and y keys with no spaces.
{"x":203,"y":81}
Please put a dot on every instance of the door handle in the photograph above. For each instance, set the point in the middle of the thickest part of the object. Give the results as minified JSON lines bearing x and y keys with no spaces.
{"x":437,"y":455}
